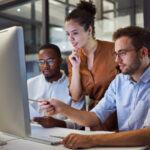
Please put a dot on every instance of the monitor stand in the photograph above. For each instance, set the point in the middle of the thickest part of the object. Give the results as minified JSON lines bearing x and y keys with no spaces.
{"x":2,"y":142}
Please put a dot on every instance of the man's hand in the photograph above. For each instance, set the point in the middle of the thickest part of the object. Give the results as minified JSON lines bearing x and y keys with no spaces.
{"x":49,"y":122}
{"x":75,"y":141}
{"x":52,"y":106}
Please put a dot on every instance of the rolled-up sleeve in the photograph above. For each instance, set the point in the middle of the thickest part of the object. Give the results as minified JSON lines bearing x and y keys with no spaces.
{"x":107,"y":105}
{"x":147,"y":120}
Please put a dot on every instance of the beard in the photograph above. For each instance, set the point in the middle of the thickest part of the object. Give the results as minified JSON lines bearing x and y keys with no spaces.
{"x":133,"y":67}
{"x":48,"y":78}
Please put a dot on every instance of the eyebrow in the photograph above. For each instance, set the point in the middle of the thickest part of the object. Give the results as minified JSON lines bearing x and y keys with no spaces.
{"x":47,"y":59}
{"x":120,"y":50}
{"x":74,"y":30}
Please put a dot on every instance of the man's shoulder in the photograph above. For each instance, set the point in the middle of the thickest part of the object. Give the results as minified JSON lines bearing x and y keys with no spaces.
{"x":121,"y":78}
{"x":36,"y":78}
{"x":64,"y":78}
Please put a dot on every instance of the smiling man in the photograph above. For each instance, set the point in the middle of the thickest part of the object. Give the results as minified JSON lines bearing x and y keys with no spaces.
{"x":52,"y":83}
{"x":128,"y":95}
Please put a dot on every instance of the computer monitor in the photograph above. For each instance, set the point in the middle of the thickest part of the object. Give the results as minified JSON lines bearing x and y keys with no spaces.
{"x":14,"y":108}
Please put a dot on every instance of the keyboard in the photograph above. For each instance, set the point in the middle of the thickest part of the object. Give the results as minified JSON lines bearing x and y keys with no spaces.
{"x":55,"y":140}
{"x":43,"y":135}
{"x":47,"y":139}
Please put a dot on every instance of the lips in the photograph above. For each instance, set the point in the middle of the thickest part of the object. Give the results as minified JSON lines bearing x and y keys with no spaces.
{"x":74,"y":44}
{"x":121,"y":66}
{"x":46,"y":71}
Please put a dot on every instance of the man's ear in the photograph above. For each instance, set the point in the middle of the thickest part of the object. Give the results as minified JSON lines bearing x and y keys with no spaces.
{"x":143,"y":52}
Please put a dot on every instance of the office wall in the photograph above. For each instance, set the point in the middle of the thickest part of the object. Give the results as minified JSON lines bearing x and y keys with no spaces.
{"x":111,"y":15}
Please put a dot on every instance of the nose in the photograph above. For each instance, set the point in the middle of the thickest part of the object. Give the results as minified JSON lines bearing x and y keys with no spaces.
{"x":117,"y":59}
{"x":45,"y":64}
{"x":71,"y":38}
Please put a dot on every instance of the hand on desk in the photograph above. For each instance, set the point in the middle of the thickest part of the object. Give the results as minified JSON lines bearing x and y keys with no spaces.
{"x":49,"y":122}
{"x":75,"y":141}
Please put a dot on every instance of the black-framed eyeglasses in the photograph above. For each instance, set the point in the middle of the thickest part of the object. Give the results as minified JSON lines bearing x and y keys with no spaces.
{"x":50,"y":61}
{"x":122,"y":53}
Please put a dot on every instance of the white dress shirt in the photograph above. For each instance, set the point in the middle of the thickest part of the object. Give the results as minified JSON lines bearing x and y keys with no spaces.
{"x":39,"y":87}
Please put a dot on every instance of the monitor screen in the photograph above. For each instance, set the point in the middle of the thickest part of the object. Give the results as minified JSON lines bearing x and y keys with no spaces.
{"x":14,"y":108}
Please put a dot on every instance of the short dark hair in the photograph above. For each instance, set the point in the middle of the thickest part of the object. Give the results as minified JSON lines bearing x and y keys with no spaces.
{"x":51,"y":46}
{"x":84,"y":15}
{"x":139,"y":36}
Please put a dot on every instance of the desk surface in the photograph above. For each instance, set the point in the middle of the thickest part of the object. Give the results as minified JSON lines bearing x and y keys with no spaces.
{"x":15,"y":143}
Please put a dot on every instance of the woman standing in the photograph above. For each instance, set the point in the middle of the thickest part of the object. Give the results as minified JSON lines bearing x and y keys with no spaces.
{"x":91,"y":65}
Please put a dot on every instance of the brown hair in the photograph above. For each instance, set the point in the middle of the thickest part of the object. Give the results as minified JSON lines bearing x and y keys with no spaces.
{"x":139,"y":36}
{"x":84,"y":15}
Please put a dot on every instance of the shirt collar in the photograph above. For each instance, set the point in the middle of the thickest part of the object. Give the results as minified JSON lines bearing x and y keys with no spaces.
{"x":146,"y":75}
{"x":61,"y":79}
{"x":144,"y":78}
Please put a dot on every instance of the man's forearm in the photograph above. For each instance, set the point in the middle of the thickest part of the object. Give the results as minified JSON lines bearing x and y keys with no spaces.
{"x":61,"y":123}
{"x":139,"y":137}
{"x":82,"y":118}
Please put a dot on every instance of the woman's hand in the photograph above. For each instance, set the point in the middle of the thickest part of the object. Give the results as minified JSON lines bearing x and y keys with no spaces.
{"x":75,"y":58}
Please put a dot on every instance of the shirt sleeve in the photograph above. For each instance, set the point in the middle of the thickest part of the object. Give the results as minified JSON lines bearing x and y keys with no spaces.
{"x":71,"y":124}
{"x":107,"y":105}
{"x":147,"y":120}
{"x":80,"y":104}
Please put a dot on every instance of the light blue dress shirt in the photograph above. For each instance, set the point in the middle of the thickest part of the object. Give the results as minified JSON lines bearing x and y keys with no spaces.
{"x":130,"y":99}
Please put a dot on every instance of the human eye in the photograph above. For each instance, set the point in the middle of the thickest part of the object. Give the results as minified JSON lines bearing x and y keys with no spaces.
{"x":41,"y":61}
{"x":122,"y":53}
{"x":50,"y":60}
{"x":75,"y":33}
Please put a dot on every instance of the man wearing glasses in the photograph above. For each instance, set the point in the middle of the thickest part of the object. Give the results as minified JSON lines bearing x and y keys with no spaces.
{"x":52,"y":83}
{"x":128,"y":95}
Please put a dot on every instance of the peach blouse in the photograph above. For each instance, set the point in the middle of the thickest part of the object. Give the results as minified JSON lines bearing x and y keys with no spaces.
{"x":95,"y":82}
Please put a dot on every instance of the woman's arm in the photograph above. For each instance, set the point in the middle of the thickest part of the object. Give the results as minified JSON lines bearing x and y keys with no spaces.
{"x":75,"y":87}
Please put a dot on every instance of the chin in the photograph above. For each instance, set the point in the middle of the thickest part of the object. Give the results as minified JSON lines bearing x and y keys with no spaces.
{"x":47,"y":76}
{"x":126,"y":72}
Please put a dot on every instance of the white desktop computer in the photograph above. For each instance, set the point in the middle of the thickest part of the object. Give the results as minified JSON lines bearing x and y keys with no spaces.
{"x":14,"y":108}
{"x":14,"y":105}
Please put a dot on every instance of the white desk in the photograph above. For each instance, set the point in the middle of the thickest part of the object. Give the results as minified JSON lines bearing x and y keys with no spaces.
{"x":22,"y":144}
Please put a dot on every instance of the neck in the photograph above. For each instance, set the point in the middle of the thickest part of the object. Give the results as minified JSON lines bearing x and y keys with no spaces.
{"x":54,"y":78}
{"x":139,"y":73}
{"x":90,"y":47}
